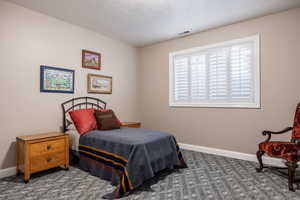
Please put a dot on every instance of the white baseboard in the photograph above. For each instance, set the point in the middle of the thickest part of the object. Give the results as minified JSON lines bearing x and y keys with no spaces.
{"x":7,"y":172}
{"x":232,"y":154}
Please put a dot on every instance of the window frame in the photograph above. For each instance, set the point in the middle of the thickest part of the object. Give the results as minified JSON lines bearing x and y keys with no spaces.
{"x":256,"y":73}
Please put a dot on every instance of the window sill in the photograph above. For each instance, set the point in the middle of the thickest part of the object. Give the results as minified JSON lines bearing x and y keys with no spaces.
{"x":246,"y":106}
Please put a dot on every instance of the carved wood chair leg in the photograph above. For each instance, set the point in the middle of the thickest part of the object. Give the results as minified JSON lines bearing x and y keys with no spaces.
{"x":291,"y":171}
{"x":259,"y":155}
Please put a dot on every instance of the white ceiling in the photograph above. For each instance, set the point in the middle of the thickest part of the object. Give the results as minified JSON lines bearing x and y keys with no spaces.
{"x":143,"y":22}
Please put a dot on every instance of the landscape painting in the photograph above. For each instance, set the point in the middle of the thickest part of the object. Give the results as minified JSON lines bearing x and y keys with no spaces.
{"x":57,"y":80}
{"x":91,"y":60}
{"x":99,"y":84}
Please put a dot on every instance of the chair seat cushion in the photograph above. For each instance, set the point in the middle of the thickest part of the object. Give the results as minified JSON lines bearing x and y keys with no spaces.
{"x":284,"y":150}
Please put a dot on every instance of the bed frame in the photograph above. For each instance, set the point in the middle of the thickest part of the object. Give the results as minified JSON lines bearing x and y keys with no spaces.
{"x":78,"y":103}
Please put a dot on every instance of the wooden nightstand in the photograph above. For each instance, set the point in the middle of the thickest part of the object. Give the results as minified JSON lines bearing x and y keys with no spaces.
{"x":40,"y":152}
{"x":131,"y":124}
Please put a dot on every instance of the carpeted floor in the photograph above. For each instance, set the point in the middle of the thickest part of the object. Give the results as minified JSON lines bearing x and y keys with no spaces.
{"x":208,"y":177}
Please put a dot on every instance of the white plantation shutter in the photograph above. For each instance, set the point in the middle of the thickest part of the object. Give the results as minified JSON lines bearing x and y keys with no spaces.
{"x":221,"y":75}
{"x":198,"y":84}
{"x":217,"y":75}
{"x":181,"y":79}
{"x":241,"y":63}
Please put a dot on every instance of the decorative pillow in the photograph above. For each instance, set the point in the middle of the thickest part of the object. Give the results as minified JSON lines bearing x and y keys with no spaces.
{"x":106,"y":119}
{"x":107,"y":110}
{"x":84,"y":120}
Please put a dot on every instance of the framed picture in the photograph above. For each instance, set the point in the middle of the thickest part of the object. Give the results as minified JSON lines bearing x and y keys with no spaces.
{"x":58,"y":80}
{"x":99,"y":84}
{"x":91,"y":60}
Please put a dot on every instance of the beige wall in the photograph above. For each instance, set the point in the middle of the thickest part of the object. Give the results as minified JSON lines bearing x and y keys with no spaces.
{"x":29,"y":39}
{"x":227,"y":128}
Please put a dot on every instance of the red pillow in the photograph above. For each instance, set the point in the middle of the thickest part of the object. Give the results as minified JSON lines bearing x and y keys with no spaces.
{"x":107,"y":110}
{"x":84,"y":120}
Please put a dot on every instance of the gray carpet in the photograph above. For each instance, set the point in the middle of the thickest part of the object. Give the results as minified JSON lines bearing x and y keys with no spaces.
{"x":208,"y":177}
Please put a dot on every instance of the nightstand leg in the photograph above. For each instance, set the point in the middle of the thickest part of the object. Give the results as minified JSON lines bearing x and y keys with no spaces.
{"x":66,"y":166}
{"x":67,"y":153}
{"x":27,"y":164}
{"x":26,"y":177}
{"x":17,"y":158}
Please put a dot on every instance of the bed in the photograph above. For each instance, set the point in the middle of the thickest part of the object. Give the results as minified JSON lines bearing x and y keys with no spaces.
{"x":126,"y":157}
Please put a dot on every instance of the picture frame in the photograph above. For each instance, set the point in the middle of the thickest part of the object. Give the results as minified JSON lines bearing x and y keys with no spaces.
{"x":56,"y":80}
{"x":99,"y":84}
{"x":91,"y":60}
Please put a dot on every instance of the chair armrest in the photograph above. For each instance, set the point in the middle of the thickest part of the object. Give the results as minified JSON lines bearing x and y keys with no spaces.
{"x":269,"y":133}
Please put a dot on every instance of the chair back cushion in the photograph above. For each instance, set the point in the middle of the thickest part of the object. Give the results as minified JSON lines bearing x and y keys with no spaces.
{"x":296,"y":126}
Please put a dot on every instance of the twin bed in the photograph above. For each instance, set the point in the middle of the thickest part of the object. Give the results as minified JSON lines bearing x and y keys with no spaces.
{"x":126,"y":157}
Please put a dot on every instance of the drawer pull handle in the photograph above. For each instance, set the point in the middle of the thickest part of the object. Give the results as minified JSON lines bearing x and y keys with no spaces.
{"x":48,"y":147}
{"x":49,"y":159}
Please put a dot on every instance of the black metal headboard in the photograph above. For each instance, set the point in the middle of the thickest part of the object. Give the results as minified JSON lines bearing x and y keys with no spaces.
{"x":78,"y":103}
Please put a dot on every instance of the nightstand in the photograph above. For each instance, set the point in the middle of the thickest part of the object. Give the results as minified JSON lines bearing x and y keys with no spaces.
{"x":131,"y":124}
{"x":40,"y":152}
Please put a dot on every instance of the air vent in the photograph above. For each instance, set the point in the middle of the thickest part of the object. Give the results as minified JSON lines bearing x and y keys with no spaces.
{"x":184,"y":33}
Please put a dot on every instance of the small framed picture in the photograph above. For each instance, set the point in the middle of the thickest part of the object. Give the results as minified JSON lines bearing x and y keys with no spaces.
{"x":91,"y":60}
{"x":99,"y":84}
{"x":57,"y":80}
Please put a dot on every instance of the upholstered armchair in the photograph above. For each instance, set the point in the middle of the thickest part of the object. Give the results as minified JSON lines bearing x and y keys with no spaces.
{"x":289,"y":151}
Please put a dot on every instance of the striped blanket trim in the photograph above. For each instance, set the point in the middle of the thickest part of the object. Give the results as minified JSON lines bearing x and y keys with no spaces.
{"x":111,"y":160}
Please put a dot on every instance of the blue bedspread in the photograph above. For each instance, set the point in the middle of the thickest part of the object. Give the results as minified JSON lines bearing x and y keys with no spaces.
{"x":128,"y":156}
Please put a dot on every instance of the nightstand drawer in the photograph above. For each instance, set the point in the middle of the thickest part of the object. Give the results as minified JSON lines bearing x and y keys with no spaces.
{"x":51,"y":146}
{"x":47,"y":161}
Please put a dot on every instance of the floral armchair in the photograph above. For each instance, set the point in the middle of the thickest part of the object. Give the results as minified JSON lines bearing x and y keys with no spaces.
{"x":289,"y":151}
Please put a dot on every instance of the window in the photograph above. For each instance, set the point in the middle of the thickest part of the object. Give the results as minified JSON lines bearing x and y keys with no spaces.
{"x":220,"y":75}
